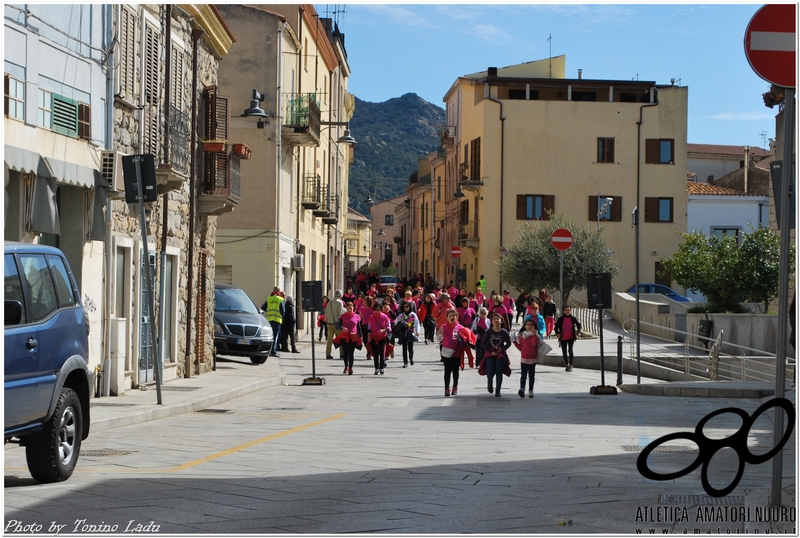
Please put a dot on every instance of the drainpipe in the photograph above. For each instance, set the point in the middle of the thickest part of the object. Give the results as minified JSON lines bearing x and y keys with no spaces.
{"x":196,"y":33}
{"x":502,"y":159}
{"x":746,"y":165}
{"x":638,"y":219}
{"x":109,"y":215}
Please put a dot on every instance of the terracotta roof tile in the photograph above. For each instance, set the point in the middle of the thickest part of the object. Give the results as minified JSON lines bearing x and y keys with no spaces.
{"x":718,"y":149}
{"x":711,"y":190}
{"x":355,"y":215}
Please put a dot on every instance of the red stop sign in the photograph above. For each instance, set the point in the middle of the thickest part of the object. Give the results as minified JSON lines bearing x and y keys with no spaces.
{"x":769,"y":44}
{"x":561,"y":239}
{"x":455,"y":251}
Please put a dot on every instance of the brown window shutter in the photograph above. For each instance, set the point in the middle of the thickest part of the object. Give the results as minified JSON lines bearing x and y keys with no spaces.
{"x":216,"y":120}
{"x":521,"y":207}
{"x":651,"y":151}
{"x":592,"y":208}
{"x":5,"y":93}
{"x":616,"y":209}
{"x":84,"y":121}
{"x":651,"y":209}
{"x":548,"y":204}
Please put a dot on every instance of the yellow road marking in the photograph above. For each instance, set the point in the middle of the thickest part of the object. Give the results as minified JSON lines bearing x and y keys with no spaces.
{"x":217,"y":455}
{"x":251,"y":443}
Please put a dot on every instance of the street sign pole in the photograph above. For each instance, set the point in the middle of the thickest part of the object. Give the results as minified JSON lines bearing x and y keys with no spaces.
{"x":783,"y":291}
{"x":561,"y":281}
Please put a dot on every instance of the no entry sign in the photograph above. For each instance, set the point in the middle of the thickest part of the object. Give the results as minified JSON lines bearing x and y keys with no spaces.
{"x":561,"y":239}
{"x":769,"y":44}
{"x":455,"y":251}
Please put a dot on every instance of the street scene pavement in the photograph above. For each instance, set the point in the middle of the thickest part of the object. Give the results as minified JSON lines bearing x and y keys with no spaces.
{"x":251,"y":449}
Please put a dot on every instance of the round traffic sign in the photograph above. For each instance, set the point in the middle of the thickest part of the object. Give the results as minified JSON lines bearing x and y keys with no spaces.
{"x":769,"y":44}
{"x":561,"y":239}
{"x":455,"y":251}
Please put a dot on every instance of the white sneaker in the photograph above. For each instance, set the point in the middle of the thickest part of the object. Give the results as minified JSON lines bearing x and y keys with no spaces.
{"x":381,"y":371}
{"x":530,"y":394}
{"x":376,"y":372}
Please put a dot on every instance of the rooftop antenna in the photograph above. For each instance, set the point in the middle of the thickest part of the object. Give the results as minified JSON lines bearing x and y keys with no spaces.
{"x":550,"y":41}
{"x":763,"y":136}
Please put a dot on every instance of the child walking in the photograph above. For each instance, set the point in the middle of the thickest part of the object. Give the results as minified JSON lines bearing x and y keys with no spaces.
{"x":527,"y":342}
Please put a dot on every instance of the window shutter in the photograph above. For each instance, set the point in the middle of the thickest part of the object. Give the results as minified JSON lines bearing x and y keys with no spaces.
{"x":592,"y":208}
{"x":548,"y":204}
{"x":64,"y":119}
{"x":521,"y":199}
{"x":216,"y":120}
{"x":651,"y":209}
{"x":126,"y":74}
{"x":150,"y":88}
{"x":475,"y":160}
{"x":616,"y":209}
{"x":651,"y":151}
{"x":84,"y":121}
{"x":177,"y":78}
{"x":5,"y":93}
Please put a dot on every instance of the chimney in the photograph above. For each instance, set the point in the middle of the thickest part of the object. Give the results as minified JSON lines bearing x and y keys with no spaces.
{"x":580,"y":73}
{"x":491,"y":72}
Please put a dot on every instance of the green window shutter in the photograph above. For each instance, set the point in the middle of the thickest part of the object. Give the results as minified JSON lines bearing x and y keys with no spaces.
{"x":64,"y":119}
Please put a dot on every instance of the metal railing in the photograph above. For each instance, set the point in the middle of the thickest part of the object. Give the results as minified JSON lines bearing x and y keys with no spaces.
{"x":312,"y":191}
{"x":301,"y":110}
{"x":743,"y":364}
{"x":179,"y":140}
{"x":468,"y":230}
{"x":588,"y":319}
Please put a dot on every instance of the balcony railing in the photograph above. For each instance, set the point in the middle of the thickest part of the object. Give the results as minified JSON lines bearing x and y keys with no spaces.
{"x":178,"y":140}
{"x":312,"y":186}
{"x":222,"y":183}
{"x":301,"y":119}
{"x":323,"y":209}
{"x":468,"y":231}
{"x":333,"y":210}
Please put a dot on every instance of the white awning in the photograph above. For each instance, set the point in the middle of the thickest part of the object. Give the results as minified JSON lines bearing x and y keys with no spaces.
{"x":66,"y":173}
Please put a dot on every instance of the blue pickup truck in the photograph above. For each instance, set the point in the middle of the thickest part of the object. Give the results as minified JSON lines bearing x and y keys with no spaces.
{"x":47,"y":380}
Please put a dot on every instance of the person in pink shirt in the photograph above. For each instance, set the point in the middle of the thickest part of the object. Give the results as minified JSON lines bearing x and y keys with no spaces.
{"x":451,"y":351}
{"x":480,"y":298}
{"x":452,"y":291}
{"x":498,"y":308}
{"x":350,"y":322}
{"x":527,"y":342}
{"x":364,"y":312}
{"x":567,"y":330}
{"x":380,"y":329}
{"x":508,"y":302}
{"x":465,"y":313}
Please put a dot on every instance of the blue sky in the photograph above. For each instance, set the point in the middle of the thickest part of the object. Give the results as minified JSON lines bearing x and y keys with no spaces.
{"x":395,"y":49}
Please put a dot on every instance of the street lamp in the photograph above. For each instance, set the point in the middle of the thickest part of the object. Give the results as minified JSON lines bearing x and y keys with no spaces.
{"x":345,"y":138}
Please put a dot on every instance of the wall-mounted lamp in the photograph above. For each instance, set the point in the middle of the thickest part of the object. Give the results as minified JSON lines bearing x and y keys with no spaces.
{"x":345,"y":138}
{"x":255,"y":111}
{"x":381,"y":232}
{"x":460,"y":194}
{"x":368,"y":201}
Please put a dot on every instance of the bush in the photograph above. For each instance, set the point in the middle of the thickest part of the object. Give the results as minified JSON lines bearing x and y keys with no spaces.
{"x":702,"y":308}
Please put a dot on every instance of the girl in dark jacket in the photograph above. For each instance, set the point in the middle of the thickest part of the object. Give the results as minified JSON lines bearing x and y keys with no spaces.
{"x":288,"y":326}
{"x":495,"y":343}
{"x":567,"y":330}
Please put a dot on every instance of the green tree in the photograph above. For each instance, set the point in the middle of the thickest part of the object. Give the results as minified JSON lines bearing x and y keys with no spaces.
{"x":726,"y":270}
{"x":532,"y":263}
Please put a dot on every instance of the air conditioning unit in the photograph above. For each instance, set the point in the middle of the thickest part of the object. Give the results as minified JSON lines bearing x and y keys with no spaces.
{"x":112,"y":172}
{"x":298,"y":263}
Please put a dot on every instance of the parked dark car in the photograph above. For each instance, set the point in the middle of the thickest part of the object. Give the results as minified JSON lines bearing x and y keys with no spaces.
{"x":47,"y":382}
{"x":240,"y":328}
{"x":661,"y":289}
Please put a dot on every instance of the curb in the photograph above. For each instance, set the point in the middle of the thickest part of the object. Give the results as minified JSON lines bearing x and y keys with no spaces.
{"x":158,"y":411}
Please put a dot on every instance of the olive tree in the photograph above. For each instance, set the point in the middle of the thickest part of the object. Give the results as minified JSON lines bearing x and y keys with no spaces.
{"x":532,"y":263}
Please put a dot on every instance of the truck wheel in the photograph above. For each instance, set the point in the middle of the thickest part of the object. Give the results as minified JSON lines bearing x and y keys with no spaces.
{"x":53,"y":453}
{"x":256,"y":359}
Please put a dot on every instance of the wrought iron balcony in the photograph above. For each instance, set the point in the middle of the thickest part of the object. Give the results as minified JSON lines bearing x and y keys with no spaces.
{"x":468,"y":233}
{"x":174,"y":170}
{"x":323,"y":209}
{"x":301,"y":119}
{"x":312,"y":185}
{"x":333,"y":210}
{"x":222,"y":183}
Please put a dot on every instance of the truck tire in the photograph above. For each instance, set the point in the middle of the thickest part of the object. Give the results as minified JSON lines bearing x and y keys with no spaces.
{"x":53,"y":453}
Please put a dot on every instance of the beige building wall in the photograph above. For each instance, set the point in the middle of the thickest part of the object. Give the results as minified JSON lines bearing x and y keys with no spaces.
{"x":549,"y":147}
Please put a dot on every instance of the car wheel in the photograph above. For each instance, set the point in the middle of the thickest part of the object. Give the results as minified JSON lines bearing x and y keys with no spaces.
{"x":53,"y":453}
{"x":258,"y":360}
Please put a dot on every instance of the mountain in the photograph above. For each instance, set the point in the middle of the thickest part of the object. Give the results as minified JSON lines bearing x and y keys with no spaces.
{"x":391,"y":137}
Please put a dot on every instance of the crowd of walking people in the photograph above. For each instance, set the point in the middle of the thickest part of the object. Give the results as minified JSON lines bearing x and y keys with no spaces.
{"x":377,"y":320}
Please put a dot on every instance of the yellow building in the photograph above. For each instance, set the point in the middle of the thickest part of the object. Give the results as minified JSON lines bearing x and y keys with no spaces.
{"x":290,"y":224}
{"x":357,"y":242}
{"x":522,"y":140}
{"x":425,"y":191}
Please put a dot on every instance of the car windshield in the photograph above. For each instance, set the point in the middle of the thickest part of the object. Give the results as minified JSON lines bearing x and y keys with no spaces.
{"x":233,"y":300}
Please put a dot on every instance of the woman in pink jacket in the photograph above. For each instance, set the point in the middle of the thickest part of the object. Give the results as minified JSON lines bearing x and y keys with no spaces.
{"x":380,"y":329}
{"x":451,"y":351}
{"x":350,"y":326}
{"x":527,"y":342}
